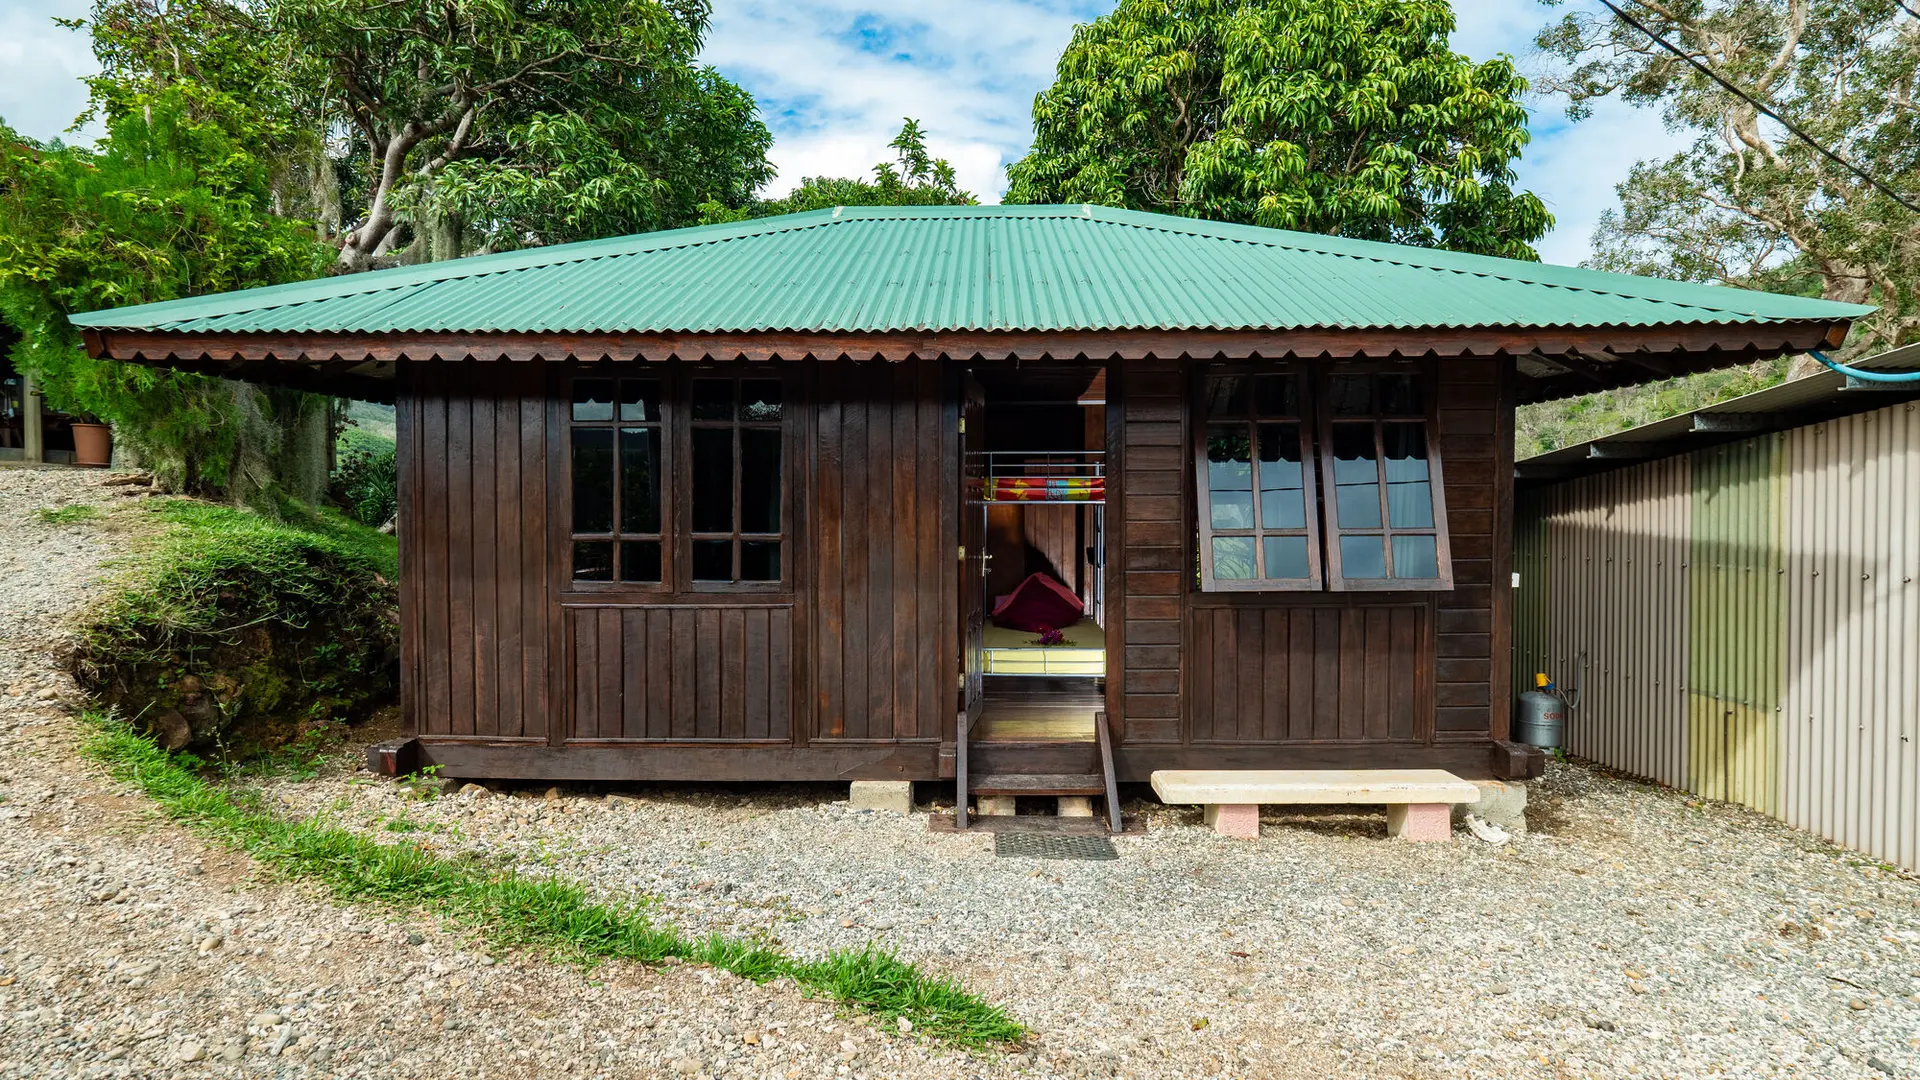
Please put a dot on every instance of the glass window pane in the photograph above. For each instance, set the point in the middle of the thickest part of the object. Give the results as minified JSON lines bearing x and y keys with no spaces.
{"x":593,"y":399}
{"x":640,"y":478}
{"x":713,"y":560}
{"x":640,"y":560}
{"x":1227,"y":396}
{"x":1286,"y":556}
{"x":1233,"y":557}
{"x":593,"y":560}
{"x":1363,"y":556}
{"x":593,"y":480}
{"x":760,"y":560}
{"x":1282,"y":495}
{"x":639,"y":399}
{"x":713,"y":480}
{"x":760,"y":399}
{"x":1230,"y":476}
{"x":1276,"y":395}
{"x":1352,"y":395}
{"x":760,"y":480}
{"x":713,"y":399}
{"x":1415,"y":557}
{"x":1400,"y":396}
{"x":1409,"y":494}
{"x":1356,"y":477}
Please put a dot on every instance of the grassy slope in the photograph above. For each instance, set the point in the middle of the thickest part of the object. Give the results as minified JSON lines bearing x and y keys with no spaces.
{"x":1553,"y":424}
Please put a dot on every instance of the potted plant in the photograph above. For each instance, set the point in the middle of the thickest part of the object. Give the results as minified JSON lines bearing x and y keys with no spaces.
{"x":92,"y":441}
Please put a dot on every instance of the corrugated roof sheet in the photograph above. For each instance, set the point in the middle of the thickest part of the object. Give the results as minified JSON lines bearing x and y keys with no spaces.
{"x":965,"y":268}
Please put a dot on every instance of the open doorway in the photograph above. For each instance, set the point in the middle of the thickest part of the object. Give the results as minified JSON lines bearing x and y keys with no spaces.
{"x":1037,"y":484}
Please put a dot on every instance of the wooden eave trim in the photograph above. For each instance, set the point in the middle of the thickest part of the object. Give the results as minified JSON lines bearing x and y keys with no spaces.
{"x":168,"y":349}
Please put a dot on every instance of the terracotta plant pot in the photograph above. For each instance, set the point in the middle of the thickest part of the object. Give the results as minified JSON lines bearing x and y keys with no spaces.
{"x":92,"y":445}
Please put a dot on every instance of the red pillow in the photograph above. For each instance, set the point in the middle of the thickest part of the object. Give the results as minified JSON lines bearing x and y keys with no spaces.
{"x":1039,"y":603}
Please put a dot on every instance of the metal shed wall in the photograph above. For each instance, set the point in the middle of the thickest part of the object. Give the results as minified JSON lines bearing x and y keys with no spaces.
{"x":1749,"y":620}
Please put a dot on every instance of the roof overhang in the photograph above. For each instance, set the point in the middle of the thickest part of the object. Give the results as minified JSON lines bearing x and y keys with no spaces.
{"x":1553,"y":362}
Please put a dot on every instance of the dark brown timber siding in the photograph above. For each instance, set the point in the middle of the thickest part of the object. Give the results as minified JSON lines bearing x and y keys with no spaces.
{"x":1470,"y":625}
{"x":1153,"y":535}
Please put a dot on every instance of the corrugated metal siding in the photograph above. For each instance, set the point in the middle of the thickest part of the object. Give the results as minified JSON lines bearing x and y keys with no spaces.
{"x":966,"y":268}
{"x":1851,"y":762}
{"x":1619,"y":550}
{"x":1751,"y":617}
{"x":1532,"y":561}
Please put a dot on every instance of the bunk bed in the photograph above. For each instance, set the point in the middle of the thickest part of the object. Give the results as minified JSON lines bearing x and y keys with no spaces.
{"x":1077,"y":648}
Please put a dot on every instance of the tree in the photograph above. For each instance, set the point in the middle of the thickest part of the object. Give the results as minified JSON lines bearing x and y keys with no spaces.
{"x":1748,"y":203}
{"x":1350,"y":117}
{"x":436,"y":125}
{"x":173,"y":203}
{"x":914,"y":178}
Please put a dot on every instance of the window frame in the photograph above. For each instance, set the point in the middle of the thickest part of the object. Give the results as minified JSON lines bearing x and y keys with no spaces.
{"x":685,"y":537}
{"x":1309,"y":478}
{"x":1425,"y":372}
{"x":664,"y":482}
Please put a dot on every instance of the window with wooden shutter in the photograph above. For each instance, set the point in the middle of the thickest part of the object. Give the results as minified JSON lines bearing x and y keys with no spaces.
{"x":1386,"y":511}
{"x":1253,"y":455}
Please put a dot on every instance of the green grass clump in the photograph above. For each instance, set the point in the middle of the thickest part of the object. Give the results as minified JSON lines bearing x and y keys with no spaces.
{"x":67,"y":515}
{"x":547,"y":914}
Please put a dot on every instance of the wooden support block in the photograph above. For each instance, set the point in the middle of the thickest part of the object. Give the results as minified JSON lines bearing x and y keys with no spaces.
{"x":1238,"y":820}
{"x":1076,"y":806}
{"x":996,"y":805}
{"x":395,"y":757}
{"x":1429,"y":823}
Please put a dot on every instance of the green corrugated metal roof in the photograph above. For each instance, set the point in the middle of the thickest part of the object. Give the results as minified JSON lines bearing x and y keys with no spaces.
{"x":965,"y":268}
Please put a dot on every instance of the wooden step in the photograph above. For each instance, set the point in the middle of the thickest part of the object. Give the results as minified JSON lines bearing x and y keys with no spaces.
{"x":1037,"y":784}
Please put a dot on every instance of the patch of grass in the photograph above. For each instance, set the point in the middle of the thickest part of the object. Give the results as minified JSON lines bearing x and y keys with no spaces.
{"x":72,"y":514}
{"x":550,"y":915}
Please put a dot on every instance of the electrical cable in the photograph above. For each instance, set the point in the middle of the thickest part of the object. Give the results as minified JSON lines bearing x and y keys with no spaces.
{"x":1749,"y":99}
{"x":1864,"y":375}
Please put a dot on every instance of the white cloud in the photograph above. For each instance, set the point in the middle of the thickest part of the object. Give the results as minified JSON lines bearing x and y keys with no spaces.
{"x":44,"y":63}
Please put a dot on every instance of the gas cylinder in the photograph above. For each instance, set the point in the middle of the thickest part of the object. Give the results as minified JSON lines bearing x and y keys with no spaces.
{"x":1542,"y":719}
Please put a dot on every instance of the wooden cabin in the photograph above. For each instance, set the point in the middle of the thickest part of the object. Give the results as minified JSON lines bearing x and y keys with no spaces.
{"x":751,"y":501}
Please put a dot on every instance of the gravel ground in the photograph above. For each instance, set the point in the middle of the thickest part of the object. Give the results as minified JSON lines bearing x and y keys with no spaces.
{"x":1632,"y":932}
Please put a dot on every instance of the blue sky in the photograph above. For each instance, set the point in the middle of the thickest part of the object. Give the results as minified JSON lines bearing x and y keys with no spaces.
{"x":835,"y":77}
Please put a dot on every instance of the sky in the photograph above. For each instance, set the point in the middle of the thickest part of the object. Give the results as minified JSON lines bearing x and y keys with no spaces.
{"x":834,"y":79}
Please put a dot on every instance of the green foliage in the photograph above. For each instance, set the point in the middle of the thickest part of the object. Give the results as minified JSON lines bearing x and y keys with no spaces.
{"x":1748,"y":203}
{"x":551,"y":915}
{"x":1551,"y":425}
{"x":914,"y":178}
{"x":75,"y":514}
{"x":173,"y":203}
{"x":365,"y":477}
{"x":253,"y":629}
{"x":1349,"y":117}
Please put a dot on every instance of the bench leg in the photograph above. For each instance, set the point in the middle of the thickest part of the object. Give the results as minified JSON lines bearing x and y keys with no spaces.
{"x":1238,"y":820}
{"x":1425,"y":822}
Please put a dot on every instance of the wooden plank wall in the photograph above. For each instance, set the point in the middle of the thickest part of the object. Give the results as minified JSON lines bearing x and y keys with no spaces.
{"x":1059,"y":532}
{"x":477,"y":639}
{"x":885,"y":525}
{"x":678,"y":672}
{"x":1151,"y":548}
{"x":1471,"y":622}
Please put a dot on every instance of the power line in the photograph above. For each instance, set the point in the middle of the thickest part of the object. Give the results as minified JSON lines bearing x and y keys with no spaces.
{"x":1762,"y":106}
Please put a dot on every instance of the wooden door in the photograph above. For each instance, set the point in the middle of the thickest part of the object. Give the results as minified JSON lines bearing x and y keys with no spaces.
{"x":973,"y":547}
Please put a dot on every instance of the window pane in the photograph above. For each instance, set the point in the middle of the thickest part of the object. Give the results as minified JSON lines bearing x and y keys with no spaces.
{"x":759,"y":480}
{"x":1363,"y":557}
{"x":713,"y":399}
{"x":1356,"y":477}
{"x":1415,"y":557}
{"x":640,"y":560}
{"x":1230,"y":477}
{"x":593,"y":479}
{"x":593,"y":560}
{"x":640,"y":478}
{"x":1276,"y":395}
{"x":1286,"y":556}
{"x":1352,"y":395}
{"x":1400,"y":396}
{"x":1227,"y":396}
{"x":593,"y":399}
{"x":760,"y":560}
{"x":1233,"y":557}
{"x":1282,"y":497}
{"x":760,"y":399}
{"x":713,"y":481}
{"x":639,"y":399}
{"x":713,"y":560}
{"x":1409,"y":494}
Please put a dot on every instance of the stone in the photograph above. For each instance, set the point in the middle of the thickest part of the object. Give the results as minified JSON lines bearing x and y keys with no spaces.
{"x":894,"y":796}
{"x":1426,"y":823}
{"x":1238,"y":820}
{"x":1499,"y":989}
{"x":233,"y":1050}
{"x":191,"y":1050}
{"x":1502,"y":803}
{"x":1076,"y":806}
{"x":685,"y":1066}
{"x":905,"y":1025}
{"x":415,"y":937}
{"x":996,"y":805}
{"x":170,"y":729}
{"x":552,"y":795}
{"x":266,"y":1020}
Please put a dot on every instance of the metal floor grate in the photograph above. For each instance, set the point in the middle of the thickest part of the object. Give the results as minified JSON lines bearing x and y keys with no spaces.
{"x":1036,"y":845}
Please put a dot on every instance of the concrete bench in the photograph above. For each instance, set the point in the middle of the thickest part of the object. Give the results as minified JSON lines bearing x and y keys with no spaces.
{"x":1419,"y":802}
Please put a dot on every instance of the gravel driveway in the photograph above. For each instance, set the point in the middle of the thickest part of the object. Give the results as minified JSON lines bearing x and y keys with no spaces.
{"x":1633,"y":932}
